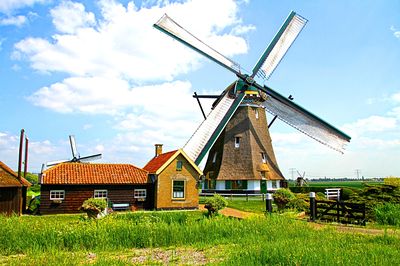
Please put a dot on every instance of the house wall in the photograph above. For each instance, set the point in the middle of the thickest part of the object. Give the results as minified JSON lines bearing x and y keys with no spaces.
{"x":270,"y":187}
{"x":10,"y":200}
{"x":254,"y":185}
{"x":188,"y":174}
{"x":220,"y":185}
{"x":75,"y":195}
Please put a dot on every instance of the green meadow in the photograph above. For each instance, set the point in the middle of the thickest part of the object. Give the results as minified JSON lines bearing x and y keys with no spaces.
{"x":179,"y":238}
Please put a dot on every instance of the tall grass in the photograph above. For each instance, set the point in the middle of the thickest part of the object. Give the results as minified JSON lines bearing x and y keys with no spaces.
{"x":255,"y":241}
{"x":388,"y":214}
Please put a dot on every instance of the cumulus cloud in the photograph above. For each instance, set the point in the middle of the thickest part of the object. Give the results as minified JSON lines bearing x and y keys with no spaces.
{"x":14,"y":21}
{"x":8,"y":6}
{"x":68,"y":17}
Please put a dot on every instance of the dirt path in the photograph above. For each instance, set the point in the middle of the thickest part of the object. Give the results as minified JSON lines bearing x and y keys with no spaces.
{"x":231,"y":212}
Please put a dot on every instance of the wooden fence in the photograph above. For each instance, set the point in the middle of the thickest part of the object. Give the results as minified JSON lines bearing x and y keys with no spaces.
{"x":339,"y":211}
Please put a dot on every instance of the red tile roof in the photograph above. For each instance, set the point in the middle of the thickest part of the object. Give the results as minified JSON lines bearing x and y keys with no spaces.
{"x":8,"y":178}
{"x":90,"y":173}
{"x":158,"y":161}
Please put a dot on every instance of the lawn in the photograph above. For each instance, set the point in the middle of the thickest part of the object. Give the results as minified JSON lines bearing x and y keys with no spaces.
{"x":340,"y":184}
{"x":186,"y":238}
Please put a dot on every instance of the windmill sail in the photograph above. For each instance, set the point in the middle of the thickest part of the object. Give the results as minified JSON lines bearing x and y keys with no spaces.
{"x":173,"y":29}
{"x":279,"y":45}
{"x":210,"y":129}
{"x":304,"y":121}
{"x":90,"y":158}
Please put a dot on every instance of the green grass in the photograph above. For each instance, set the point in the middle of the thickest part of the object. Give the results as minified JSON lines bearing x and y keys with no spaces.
{"x":117,"y":239}
{"x":340,"y":184}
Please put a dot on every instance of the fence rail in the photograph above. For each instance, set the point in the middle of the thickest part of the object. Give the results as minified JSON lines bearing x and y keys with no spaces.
{"x":339,"y":211}
{"x":232,"y":196}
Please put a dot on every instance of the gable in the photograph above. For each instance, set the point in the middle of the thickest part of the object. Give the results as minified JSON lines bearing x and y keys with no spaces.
{"x":8,"y":178}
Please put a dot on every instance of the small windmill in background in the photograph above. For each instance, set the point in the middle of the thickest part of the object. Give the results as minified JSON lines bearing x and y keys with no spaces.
{"x":75,"y":155}
{"x":301,"y":181}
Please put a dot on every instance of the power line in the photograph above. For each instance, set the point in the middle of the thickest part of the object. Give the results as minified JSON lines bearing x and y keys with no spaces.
{"x":292,"y":172}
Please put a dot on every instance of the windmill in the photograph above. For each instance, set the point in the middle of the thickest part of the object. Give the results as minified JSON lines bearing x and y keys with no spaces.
{"x":75,"y":155}
{"x":235,"y":133}
{"x":301,"y":181}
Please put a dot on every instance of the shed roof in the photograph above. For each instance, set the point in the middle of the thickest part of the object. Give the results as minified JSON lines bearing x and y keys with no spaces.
{"x":76,"y":173}
{"x":8,"y":178}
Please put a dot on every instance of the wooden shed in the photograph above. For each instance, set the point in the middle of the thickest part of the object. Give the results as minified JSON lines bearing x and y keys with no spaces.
{"x":12,"y":191}
{"x":66,"y":186}
{"x":176,"y":179}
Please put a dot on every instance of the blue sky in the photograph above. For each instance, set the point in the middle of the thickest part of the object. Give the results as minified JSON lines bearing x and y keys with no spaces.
{"x":98,"y":70}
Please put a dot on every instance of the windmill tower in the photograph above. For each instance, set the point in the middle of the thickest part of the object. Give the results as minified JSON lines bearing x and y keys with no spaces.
{"x":235,"y":133}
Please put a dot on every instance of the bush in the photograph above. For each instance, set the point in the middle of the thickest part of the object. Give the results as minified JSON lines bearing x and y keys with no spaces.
{"x":388,"y":214}
{"x":298,"y":204}
{"x":282,"y":197}
{"x":392,"y":181}
{"x":93,"y":207}
{"x":346,"y":193}
{"x":214,"y":204}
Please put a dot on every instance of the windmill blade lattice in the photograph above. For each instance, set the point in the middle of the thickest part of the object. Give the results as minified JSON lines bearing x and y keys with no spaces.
{"x":210,"y":129}
{"x":173,"y":29}
{"x":279,"y":45}
{"x":304,"y":121}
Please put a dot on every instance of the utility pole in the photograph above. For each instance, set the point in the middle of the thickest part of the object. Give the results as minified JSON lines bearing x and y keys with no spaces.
{"x":292,"y":170}
{"x":358,"y":172}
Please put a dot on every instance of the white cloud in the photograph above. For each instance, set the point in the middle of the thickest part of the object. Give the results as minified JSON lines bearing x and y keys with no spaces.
{"x":68,"y":17}
{"x":125,"y":45}
{"x":7,"y":6}
{"x":14,"y":21}
{"x":396,"y":32}
{"x":371,"y":124}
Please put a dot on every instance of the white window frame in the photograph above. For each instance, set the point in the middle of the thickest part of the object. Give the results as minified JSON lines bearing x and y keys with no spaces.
{"x":100,"y":191}
{"x":274,"y":184}
{"x":237,"y":142}
{"x":140,"y":193}
{"x":61,"y":194}
{"x":263,"y":157}
{"x":214,"y":157}
{"x":174,"y":194}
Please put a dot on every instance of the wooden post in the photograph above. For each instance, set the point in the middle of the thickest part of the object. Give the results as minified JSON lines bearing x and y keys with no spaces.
{"x":247,"y":197}
{"x":262,"y":195}
{"x":268,"y":202}
{"x":338,"y":210}
{"x":313,"y":209}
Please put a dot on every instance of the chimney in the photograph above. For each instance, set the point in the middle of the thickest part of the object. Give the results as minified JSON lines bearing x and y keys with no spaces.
{"x":158,"y":149}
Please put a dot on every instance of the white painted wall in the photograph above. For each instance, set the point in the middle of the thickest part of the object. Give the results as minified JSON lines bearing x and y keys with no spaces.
{"x":270,"y":186}
{"x":253,"y":185}
{"x":220,"y":185}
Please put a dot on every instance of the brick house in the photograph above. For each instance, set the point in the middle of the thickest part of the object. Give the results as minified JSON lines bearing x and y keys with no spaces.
{"x":12,"y":191}
{"x":176,"y":179}
{"x":66,"y":186}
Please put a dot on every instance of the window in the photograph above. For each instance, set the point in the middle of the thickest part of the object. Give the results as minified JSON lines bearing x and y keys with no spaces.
{"x":236,"y":184}
{"x":256,"y":113}
{"x":179,"y":165}
{"x":139,"y":193}
{"x":57,"y":194}
{"x":100,"y":194}
{"x":214,"y":157}
{"x":237,"y":142}
{"x":178,"y":191}
{"x":274,"y":185}
{"x":263,"y":157}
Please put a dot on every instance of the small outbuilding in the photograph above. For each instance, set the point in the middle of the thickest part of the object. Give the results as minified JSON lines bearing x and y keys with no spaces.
{"x":176,"y":178}
{"x":12,"y":191}
{"x":66,"y":186}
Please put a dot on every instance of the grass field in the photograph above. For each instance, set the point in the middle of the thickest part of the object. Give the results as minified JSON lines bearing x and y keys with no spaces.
{"x":339,"y":184}
{"x":158,"y":238}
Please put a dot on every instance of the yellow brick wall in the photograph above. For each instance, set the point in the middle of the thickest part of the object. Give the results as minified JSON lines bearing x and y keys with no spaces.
{"x":164,"y":186}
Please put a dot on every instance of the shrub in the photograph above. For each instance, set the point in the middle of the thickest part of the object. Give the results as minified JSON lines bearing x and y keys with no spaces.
{"x":392,"y":181}
{"x":298,"y":204}
{"x":214,"y":204}
{"x":282,"y":197}
{"x":93,"y":207}
{"x":346,"y":193}
{"x":388,"y":214}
